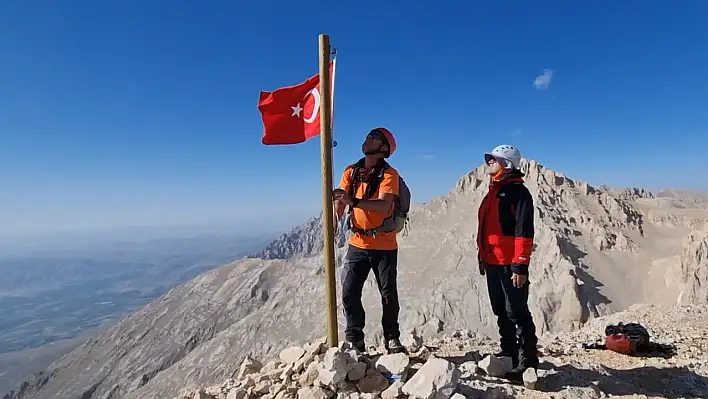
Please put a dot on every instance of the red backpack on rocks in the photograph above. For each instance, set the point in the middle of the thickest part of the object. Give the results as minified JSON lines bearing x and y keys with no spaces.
{"x":627,"y":339}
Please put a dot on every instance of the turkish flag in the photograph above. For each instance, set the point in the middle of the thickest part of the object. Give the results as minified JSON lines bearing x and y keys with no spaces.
{"x":291,"y":114}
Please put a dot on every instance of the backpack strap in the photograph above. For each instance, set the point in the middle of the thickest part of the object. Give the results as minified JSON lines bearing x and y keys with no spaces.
{"x":373,"y":184}
{"x":371,"y":188}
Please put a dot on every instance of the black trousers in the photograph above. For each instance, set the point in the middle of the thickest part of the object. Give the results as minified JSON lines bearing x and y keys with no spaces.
{"x":510,"y":305}
{"x":358,"y":263}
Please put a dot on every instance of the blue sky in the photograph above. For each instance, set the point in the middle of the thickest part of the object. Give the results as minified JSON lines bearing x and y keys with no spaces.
{"x":144,"y":112}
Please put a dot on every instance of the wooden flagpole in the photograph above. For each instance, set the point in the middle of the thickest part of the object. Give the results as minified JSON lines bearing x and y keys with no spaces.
{"x":327,"y":216}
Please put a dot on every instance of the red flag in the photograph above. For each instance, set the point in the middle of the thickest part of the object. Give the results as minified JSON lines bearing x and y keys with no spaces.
{"x":291,"y":114}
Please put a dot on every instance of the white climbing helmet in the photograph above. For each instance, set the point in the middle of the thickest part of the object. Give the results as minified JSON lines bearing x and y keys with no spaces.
{"x":506,"y":152}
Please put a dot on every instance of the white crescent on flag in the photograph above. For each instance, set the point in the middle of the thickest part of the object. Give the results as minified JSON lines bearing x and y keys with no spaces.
{"x":316,"y":95}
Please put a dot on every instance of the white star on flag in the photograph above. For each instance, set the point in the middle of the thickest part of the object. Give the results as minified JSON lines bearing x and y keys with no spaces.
{"x":296,"y":110}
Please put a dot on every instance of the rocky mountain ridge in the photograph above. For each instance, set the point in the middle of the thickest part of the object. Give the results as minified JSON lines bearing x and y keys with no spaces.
{"x":458,"y":364}
{"x":597,"y":251}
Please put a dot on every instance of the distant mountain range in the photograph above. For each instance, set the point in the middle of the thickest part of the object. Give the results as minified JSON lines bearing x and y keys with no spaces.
{"x":53,"y":300}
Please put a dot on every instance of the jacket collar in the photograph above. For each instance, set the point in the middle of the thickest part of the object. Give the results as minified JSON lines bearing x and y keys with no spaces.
{"x":512,"y":176}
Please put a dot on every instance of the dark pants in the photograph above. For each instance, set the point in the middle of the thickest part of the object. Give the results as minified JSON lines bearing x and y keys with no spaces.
{"x":358,"y":263}
{"x":510,"y":305}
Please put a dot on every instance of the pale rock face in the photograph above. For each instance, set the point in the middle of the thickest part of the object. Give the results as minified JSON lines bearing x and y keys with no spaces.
{"x":393,"y":365}
{"x":249,"y":366}
{"x":437,"y":379}
{"x":412,"y":341}
{"x":495,"y":366}
{"x":357,"y":372}
{"x":334,"y":367}
{"x":237,"y":393}
{"x":393,"y":391}
{"x":694,"y":269}
{"x":597,"y":250}
{"x":530,"y":378}
{"x":373,"y":382}
{"x":311,"y":375}
{"x":314,"y":393}
{"x":292,"y":354}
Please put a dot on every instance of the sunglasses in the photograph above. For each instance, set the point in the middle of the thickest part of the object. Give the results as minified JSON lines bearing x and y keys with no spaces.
{"x":376,"y":135}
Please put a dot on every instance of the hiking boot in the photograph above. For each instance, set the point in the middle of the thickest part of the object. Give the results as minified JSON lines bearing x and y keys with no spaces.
{"x":394,"y":346}
{"x":516,"y":375}
{"x":359,"y":346}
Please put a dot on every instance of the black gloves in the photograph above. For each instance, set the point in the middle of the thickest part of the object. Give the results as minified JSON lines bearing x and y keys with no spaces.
{"x":520,"y":268}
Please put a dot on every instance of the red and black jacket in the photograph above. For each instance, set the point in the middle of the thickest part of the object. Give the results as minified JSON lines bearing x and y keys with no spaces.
{"x":505,"y":226}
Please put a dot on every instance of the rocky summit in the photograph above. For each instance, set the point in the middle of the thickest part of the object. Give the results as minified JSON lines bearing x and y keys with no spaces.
{"x":597,"y":251}
{"x":460,"y":365}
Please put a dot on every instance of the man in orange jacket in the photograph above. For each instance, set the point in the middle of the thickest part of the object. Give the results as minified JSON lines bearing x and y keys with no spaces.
{"x":369,"y":188}
{"x":505,"y":241}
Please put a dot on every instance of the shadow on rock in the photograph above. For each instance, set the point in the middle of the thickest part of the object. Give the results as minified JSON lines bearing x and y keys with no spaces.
{"x":654,"y":349}
{"x":659,"y":350}
{"x":672,"y":383}
{"x":491,"y":392}
{"x":471,"y":356}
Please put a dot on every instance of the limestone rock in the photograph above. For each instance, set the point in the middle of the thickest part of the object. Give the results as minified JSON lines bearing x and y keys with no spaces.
{"x":437,"y":379}
{"x":530,"y":378}
{"x":249,"y":366}
{"x":314,"y":393}
{"x":357,"y":372}
{"x":432,"y":327}
{"x":276,"y":388}
{"x":412,"y":341}
{"x":317,"y":347}
{"x":286,"y":395}
{"x":196,"y":394}
{"x":238,"y":393}
{"x":348,"y":395}
{"x":221,"y":390}
{"x":262,"y":387}
{"x":468,"y":369}
{"x":292,"y":354}
{"x":334,"y":367}
{"x":496,"y":366}
{"x":393,"y":365}
{"x":372,"y":383}
{"x":310,"y":375}
{"x":248,"y":382}
{"x":393,"y":391}
{"x":271,"y":366}
{"x":287,"y":372}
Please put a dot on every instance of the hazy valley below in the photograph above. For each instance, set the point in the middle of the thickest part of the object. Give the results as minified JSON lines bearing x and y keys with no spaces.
{"x":52,"y":300}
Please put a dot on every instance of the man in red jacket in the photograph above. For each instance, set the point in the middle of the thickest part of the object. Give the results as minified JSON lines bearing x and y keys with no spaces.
{"x":505,"y":240}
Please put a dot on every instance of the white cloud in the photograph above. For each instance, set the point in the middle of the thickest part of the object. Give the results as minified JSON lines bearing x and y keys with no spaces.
{"x":516,"y":132}
{"x":542,"y":81}
{"x":425,"y":156}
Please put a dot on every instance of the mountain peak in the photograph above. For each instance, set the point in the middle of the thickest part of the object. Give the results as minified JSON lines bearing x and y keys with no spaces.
{"x":535,"y":173}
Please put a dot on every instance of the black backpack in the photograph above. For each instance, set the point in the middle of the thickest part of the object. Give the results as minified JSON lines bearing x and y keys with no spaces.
{"x":636,"y":336}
